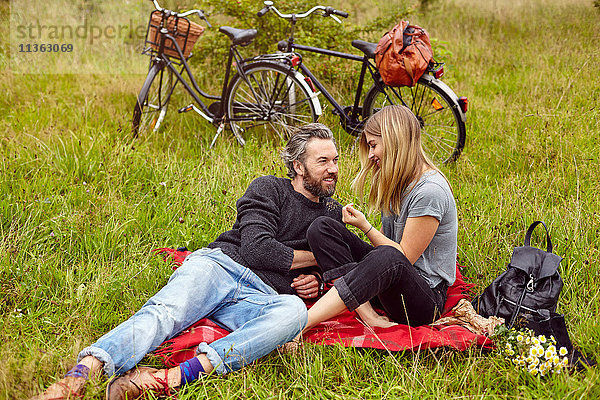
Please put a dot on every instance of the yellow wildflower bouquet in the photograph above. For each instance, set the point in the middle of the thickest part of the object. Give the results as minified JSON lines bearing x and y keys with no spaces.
{"x":536,"y":354}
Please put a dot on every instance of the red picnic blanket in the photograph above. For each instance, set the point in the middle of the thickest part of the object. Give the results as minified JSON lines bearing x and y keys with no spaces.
{"x":346,"y":329}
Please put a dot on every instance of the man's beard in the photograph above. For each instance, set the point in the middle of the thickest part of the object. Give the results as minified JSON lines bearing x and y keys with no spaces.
{"x":315,"y":186}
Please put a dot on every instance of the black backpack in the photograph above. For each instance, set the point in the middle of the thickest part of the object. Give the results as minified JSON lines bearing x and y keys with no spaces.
{"x":531,"y":283}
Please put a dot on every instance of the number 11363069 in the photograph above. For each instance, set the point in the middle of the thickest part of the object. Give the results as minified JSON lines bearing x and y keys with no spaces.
{"x":45,"y":48}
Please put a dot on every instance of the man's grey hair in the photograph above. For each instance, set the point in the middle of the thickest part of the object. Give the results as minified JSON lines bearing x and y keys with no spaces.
{"x":296,"y":146}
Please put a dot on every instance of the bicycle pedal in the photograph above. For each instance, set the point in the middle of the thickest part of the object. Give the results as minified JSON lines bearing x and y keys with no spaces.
{"x":186,"y":108}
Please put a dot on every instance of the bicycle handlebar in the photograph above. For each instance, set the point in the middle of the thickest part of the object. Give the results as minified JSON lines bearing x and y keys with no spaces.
{"x":265,"y":9}
{"x":331,"y":10}
{"x":326,"y":12}
{"x":200,"y":13}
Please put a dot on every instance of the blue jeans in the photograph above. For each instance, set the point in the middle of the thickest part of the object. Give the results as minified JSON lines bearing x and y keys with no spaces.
{"x":208,"y":284}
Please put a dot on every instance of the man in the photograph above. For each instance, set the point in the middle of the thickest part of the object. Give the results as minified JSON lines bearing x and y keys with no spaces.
{"x":243,"y":281}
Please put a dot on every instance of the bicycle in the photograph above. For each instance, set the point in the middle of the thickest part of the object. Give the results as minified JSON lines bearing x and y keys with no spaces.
{"x":269,"y":92}
{"x":169,"y":39}
{"x":441,"y":113}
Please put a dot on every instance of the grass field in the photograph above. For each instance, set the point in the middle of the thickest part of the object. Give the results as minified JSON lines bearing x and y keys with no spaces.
{"x":82,"y":205}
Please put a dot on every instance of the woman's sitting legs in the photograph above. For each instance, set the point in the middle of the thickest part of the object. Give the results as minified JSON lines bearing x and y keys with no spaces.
{"x":386,"y":273}
{"x":366,"y":272}
{"x":336,"y":249}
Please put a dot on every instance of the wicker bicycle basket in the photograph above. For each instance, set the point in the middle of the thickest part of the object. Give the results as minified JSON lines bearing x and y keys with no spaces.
{"x":185,"y":32}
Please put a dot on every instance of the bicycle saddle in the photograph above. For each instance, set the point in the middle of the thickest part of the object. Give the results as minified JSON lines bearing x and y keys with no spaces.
{"x":366,"y":47}
{"x":239,"y":36}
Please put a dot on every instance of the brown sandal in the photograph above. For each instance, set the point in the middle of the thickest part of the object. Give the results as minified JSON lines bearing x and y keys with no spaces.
{"x":136,"y":382}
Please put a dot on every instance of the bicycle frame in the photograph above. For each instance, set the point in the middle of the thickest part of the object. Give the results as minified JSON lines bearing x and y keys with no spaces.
{"x":350,"y":118}
{"x":194,"y":89}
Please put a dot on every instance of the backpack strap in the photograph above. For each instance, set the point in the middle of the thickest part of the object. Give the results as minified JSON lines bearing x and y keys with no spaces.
{"x":530,"y":231}
{"x":406,"y":38}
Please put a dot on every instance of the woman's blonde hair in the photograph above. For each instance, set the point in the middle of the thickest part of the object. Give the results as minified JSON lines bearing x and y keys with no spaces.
{"x":402,"y":159}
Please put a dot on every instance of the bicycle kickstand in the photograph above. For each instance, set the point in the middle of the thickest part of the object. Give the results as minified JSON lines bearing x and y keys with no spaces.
{"x":219,"y":130}
{"x":239,"y":138}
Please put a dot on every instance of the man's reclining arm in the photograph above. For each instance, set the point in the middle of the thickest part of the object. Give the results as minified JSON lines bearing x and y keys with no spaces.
{"x":302,"y":259}
{"x":259,"y":215}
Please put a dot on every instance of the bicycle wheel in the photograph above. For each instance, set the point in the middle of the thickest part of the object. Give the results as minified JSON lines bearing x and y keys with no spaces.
{"x":152,"y":102}
{"x":442,"y":127}
{"x":269,"y":99}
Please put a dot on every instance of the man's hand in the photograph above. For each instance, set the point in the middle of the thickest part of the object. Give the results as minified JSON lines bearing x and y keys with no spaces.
{"x":306,"y":286}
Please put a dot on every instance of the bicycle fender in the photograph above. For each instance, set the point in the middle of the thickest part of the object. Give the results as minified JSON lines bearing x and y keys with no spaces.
{"x":314,"y":96}
{"x":447,"y":91}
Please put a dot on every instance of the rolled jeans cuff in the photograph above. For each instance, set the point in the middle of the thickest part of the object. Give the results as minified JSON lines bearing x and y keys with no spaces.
{"x":346,"y":295}
{"x":215,"y":359}
{"x":102,"y":356}
{"x":335,"y":273}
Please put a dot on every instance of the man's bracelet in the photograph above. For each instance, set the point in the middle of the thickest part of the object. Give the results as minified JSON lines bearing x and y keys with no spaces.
{"x":369,"y":230}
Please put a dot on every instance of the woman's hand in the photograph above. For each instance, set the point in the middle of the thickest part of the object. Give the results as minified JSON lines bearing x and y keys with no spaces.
{"x":353,"y":217}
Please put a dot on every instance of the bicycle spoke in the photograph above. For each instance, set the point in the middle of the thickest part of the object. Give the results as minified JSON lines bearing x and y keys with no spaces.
{"x":255,"y":125}
{"x":258,"y":93}
{"x":268,"y":100}
{"x":417,"y":104}
{"x":254,"y":104}
{"x":435,"y":149}
{"x":277,"y":94}
{"x":150,"y":111}
{"x":440,"y":139}
{"x":437,"y":145}
{"x":436,"y":114}
{"x":259,"y":89}
{"x":276,"y":91}
{"x":443,"y":131}
{"x":450,"y":129}
{"x":301,"y":102}
{"x":249,"y":93}
{"x":293,"y":117}
{"x":286,"y":122}
{"x":280,"y":97}
{"x":386,"y":96}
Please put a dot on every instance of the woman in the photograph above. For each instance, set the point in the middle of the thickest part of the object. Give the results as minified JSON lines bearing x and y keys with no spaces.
{"x":412,"y":261}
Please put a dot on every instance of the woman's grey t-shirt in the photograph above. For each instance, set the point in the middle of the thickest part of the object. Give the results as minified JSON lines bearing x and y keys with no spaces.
{"x":430,"y":196}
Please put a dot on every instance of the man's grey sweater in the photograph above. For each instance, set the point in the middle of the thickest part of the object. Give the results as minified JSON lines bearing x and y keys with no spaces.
{"x":272,"y":220}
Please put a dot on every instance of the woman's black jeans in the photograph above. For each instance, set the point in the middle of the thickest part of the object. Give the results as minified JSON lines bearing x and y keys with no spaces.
{"x":363,"y":272}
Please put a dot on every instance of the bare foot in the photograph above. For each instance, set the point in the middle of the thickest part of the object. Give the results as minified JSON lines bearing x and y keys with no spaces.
{"x":370,"y":317}
{"x":67,"y":388}
{"x":381,"y":321}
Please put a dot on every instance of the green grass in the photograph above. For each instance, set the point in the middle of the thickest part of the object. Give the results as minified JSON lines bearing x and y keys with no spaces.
{"x":83,"y":204}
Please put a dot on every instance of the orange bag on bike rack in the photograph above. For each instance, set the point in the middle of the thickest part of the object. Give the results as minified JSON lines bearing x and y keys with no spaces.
{"x":403,"y":54}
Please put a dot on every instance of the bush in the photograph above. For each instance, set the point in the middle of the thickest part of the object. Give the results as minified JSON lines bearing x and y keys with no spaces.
{"x":313,"y":31}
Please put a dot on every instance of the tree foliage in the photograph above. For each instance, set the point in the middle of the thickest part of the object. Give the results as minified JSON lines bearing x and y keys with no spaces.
{"x":313,"y":31}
